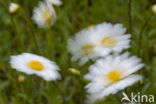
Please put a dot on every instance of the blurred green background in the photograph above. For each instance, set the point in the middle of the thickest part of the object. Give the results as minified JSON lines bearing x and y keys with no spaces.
{"x":18,"y":34}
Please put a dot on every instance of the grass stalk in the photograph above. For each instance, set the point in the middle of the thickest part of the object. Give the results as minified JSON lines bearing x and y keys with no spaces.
{"x":130,"y":16}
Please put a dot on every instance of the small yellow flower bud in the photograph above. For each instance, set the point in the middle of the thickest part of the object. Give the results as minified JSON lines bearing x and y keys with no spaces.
{"x":91,"y":26}
{"x":74,"y":71}
{"x":13,"y":7}
{"x":154,"y":8}
{"x":21,"y":79}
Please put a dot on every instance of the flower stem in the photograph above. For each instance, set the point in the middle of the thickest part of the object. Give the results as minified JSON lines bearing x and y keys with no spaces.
{"x":140,"y":43}
{"x":61,"y":91}
{"x":141,"y":33}
{"x":130,"y":16}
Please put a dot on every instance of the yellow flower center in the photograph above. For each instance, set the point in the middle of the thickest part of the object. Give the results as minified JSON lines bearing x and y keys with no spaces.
{"x":108,"y":42}
{"x":114,"y":76}
{"x":87,"y":49}
{"x":36,"y":65}
{"x":47,"y":15}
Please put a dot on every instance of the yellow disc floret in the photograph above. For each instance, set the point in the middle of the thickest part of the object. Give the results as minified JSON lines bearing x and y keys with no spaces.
{"x":36,"y":65}
{"x":108,"y":42}
{"x":87,"y":49}
{"x":47,"y":15}
{"x":114,"y":76}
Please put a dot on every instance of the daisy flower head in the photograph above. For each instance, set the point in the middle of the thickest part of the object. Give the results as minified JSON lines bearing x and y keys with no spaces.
{"x":82,"y":46}
{"x":108,"y":76}
{"x":13,"y":7}
{"x":112,"y":38}
{"x":44,"y":15}
{"x":54,"y":2}
{"x":98,"y":41}
{"x":33,"y":64}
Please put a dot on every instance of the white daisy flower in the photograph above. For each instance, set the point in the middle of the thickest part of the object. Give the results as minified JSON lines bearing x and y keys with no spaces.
{"x":83,"y":45}
{"x":98,"y":41}
{"x":13,"y":7}
{"x":54,"y":2}
{"x":112,"y":74}
{"x":112,"y":38}
{"x":33,"y":64}
{"x":44,"y":15}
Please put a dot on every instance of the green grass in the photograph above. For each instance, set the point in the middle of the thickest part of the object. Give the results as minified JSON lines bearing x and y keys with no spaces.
{"x":17,"y":34}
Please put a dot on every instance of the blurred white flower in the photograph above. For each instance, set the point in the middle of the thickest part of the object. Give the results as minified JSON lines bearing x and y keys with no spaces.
{"x":54,"y":2}
{"x":44,"y":15}
{"x":33,"y":64}
{"x":13,"y":7}
{"x":82,"y":46}
{"x":98,"y":41}
{"x":112,"y":74}
{"x":112,"y":38}
{"x":154,"y":8}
